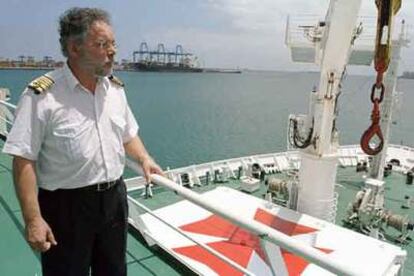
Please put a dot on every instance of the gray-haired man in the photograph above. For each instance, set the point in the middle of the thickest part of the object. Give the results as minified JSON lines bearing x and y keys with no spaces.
{"x":72,"y":129}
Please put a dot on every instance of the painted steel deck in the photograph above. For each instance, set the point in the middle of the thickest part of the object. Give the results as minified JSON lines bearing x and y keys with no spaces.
{"x":349,"y":182}
{"x":16,"y":258}
{"x":372,"y":257}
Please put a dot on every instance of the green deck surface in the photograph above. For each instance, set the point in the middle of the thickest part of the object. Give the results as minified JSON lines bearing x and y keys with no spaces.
{"x":395,"y":190}
{"x":16,"y":257}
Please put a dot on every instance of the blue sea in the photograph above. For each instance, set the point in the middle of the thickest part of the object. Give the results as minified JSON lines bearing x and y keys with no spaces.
{"x":190,"y":118}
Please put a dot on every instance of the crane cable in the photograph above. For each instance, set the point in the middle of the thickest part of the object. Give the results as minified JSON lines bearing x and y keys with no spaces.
{"x":386,"y":11}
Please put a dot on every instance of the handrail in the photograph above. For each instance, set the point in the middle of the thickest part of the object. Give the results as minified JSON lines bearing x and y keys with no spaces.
{"x":207,"y":248}
{"x":6,"y":115}
{"x":12,"y":106}
{"x":7,"y":121}
{"x":265,"y":232}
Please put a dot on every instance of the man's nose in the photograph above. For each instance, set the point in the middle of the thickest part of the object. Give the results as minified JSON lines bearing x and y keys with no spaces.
{"x":112,"y":49}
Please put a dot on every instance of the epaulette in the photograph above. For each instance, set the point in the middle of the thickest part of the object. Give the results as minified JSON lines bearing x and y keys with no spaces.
{"x":116,"y":80}
{"x":41,"y":84}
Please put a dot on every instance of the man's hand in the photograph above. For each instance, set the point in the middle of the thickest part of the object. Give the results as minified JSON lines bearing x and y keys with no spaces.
{"x":149,"y":167}
{"x":39,"y":235}
{"x":136,"y":149}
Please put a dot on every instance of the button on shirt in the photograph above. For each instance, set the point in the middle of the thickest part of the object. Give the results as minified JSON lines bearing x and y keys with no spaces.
{"x":75,"y":137}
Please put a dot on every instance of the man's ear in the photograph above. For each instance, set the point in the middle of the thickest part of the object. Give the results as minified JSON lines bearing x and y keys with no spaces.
{"x":74,"y":48}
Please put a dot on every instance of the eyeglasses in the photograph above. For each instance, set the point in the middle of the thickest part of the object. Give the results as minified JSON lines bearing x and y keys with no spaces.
{"x":105,"y":44}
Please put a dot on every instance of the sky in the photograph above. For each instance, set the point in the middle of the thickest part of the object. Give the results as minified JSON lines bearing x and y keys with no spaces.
{"x":222,"y":33}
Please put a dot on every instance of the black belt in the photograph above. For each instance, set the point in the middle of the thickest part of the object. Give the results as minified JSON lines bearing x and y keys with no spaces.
{"x":99,"y":187}
{"x":102,"y":186}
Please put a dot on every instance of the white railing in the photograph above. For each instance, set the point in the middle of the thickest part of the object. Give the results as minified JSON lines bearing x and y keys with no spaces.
{"x":348,"y":155}
{"x":264,"y":232}
{"x":6,"y":114}
{"x":7,"y":104}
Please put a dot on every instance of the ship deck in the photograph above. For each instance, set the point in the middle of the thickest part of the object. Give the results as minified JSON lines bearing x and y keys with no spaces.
{"x":145,"y":260}
{"x":348,"y":184}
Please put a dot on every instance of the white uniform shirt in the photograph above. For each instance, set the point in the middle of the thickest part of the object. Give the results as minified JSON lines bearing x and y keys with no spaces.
{"x":75,"y":137}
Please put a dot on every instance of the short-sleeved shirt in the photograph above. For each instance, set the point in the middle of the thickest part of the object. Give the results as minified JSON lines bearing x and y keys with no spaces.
{"x":76,"y":137}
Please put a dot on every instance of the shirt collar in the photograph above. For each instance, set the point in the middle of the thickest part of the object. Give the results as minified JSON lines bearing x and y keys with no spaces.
{"x":105,"y":82}
{"x":70,"y":78}
{"x":73,"y":81}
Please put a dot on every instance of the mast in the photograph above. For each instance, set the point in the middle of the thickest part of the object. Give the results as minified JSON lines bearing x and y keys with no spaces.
{"x":319,"y":159}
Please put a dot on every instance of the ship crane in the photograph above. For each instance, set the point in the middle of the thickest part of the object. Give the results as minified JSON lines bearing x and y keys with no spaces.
{"x":315,"y":134}
{"x":161,"y":55}
{"x":328,"y":44}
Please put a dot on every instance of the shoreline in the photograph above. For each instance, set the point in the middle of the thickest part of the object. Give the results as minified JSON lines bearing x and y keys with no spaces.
{"x":208,"y":70}
{"x":28,"y":68}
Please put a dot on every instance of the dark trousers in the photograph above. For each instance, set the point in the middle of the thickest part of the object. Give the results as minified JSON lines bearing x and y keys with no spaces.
{"x":90,"y":228}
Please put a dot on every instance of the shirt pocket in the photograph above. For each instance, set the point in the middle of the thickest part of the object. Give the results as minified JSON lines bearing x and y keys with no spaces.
{"x":68,"y":140}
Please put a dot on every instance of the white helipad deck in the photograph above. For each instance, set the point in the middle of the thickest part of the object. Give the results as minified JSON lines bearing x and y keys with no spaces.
{"x":367,"y":255}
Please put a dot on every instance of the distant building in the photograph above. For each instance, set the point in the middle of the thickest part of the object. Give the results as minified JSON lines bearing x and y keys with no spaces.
{"x":30,"y":62}
{"x":408,"y":75}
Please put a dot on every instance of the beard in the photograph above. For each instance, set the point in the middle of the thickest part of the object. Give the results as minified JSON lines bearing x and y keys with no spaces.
{"x":98,"y":68}
{"x":104,"y":70}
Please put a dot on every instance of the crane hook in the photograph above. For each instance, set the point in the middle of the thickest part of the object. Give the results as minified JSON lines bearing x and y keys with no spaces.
{"x":374,"y":129}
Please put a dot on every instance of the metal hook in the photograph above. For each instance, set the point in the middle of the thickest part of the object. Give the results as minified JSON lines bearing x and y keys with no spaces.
{"x":374,"y":129}
{"x":366,"y":138}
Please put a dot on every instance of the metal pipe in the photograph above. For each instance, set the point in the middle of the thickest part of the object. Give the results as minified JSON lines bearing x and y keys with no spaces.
{"x":265,"y":232}
{"x":5,"y":120}
{"x":12,"y":106}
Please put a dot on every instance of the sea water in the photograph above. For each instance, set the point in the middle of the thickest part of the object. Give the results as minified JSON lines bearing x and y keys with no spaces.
{"x":191,"y":118}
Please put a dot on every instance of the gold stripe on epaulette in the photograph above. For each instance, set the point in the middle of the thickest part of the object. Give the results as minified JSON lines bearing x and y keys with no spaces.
{"x":116,"y":80}
{"x":41,"y":84}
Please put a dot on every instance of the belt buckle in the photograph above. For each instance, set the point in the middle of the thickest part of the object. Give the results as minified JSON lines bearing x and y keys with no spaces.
{"x":105,"y":186}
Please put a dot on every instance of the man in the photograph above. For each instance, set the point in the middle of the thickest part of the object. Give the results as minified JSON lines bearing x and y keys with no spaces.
{"x":72,"y":129}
